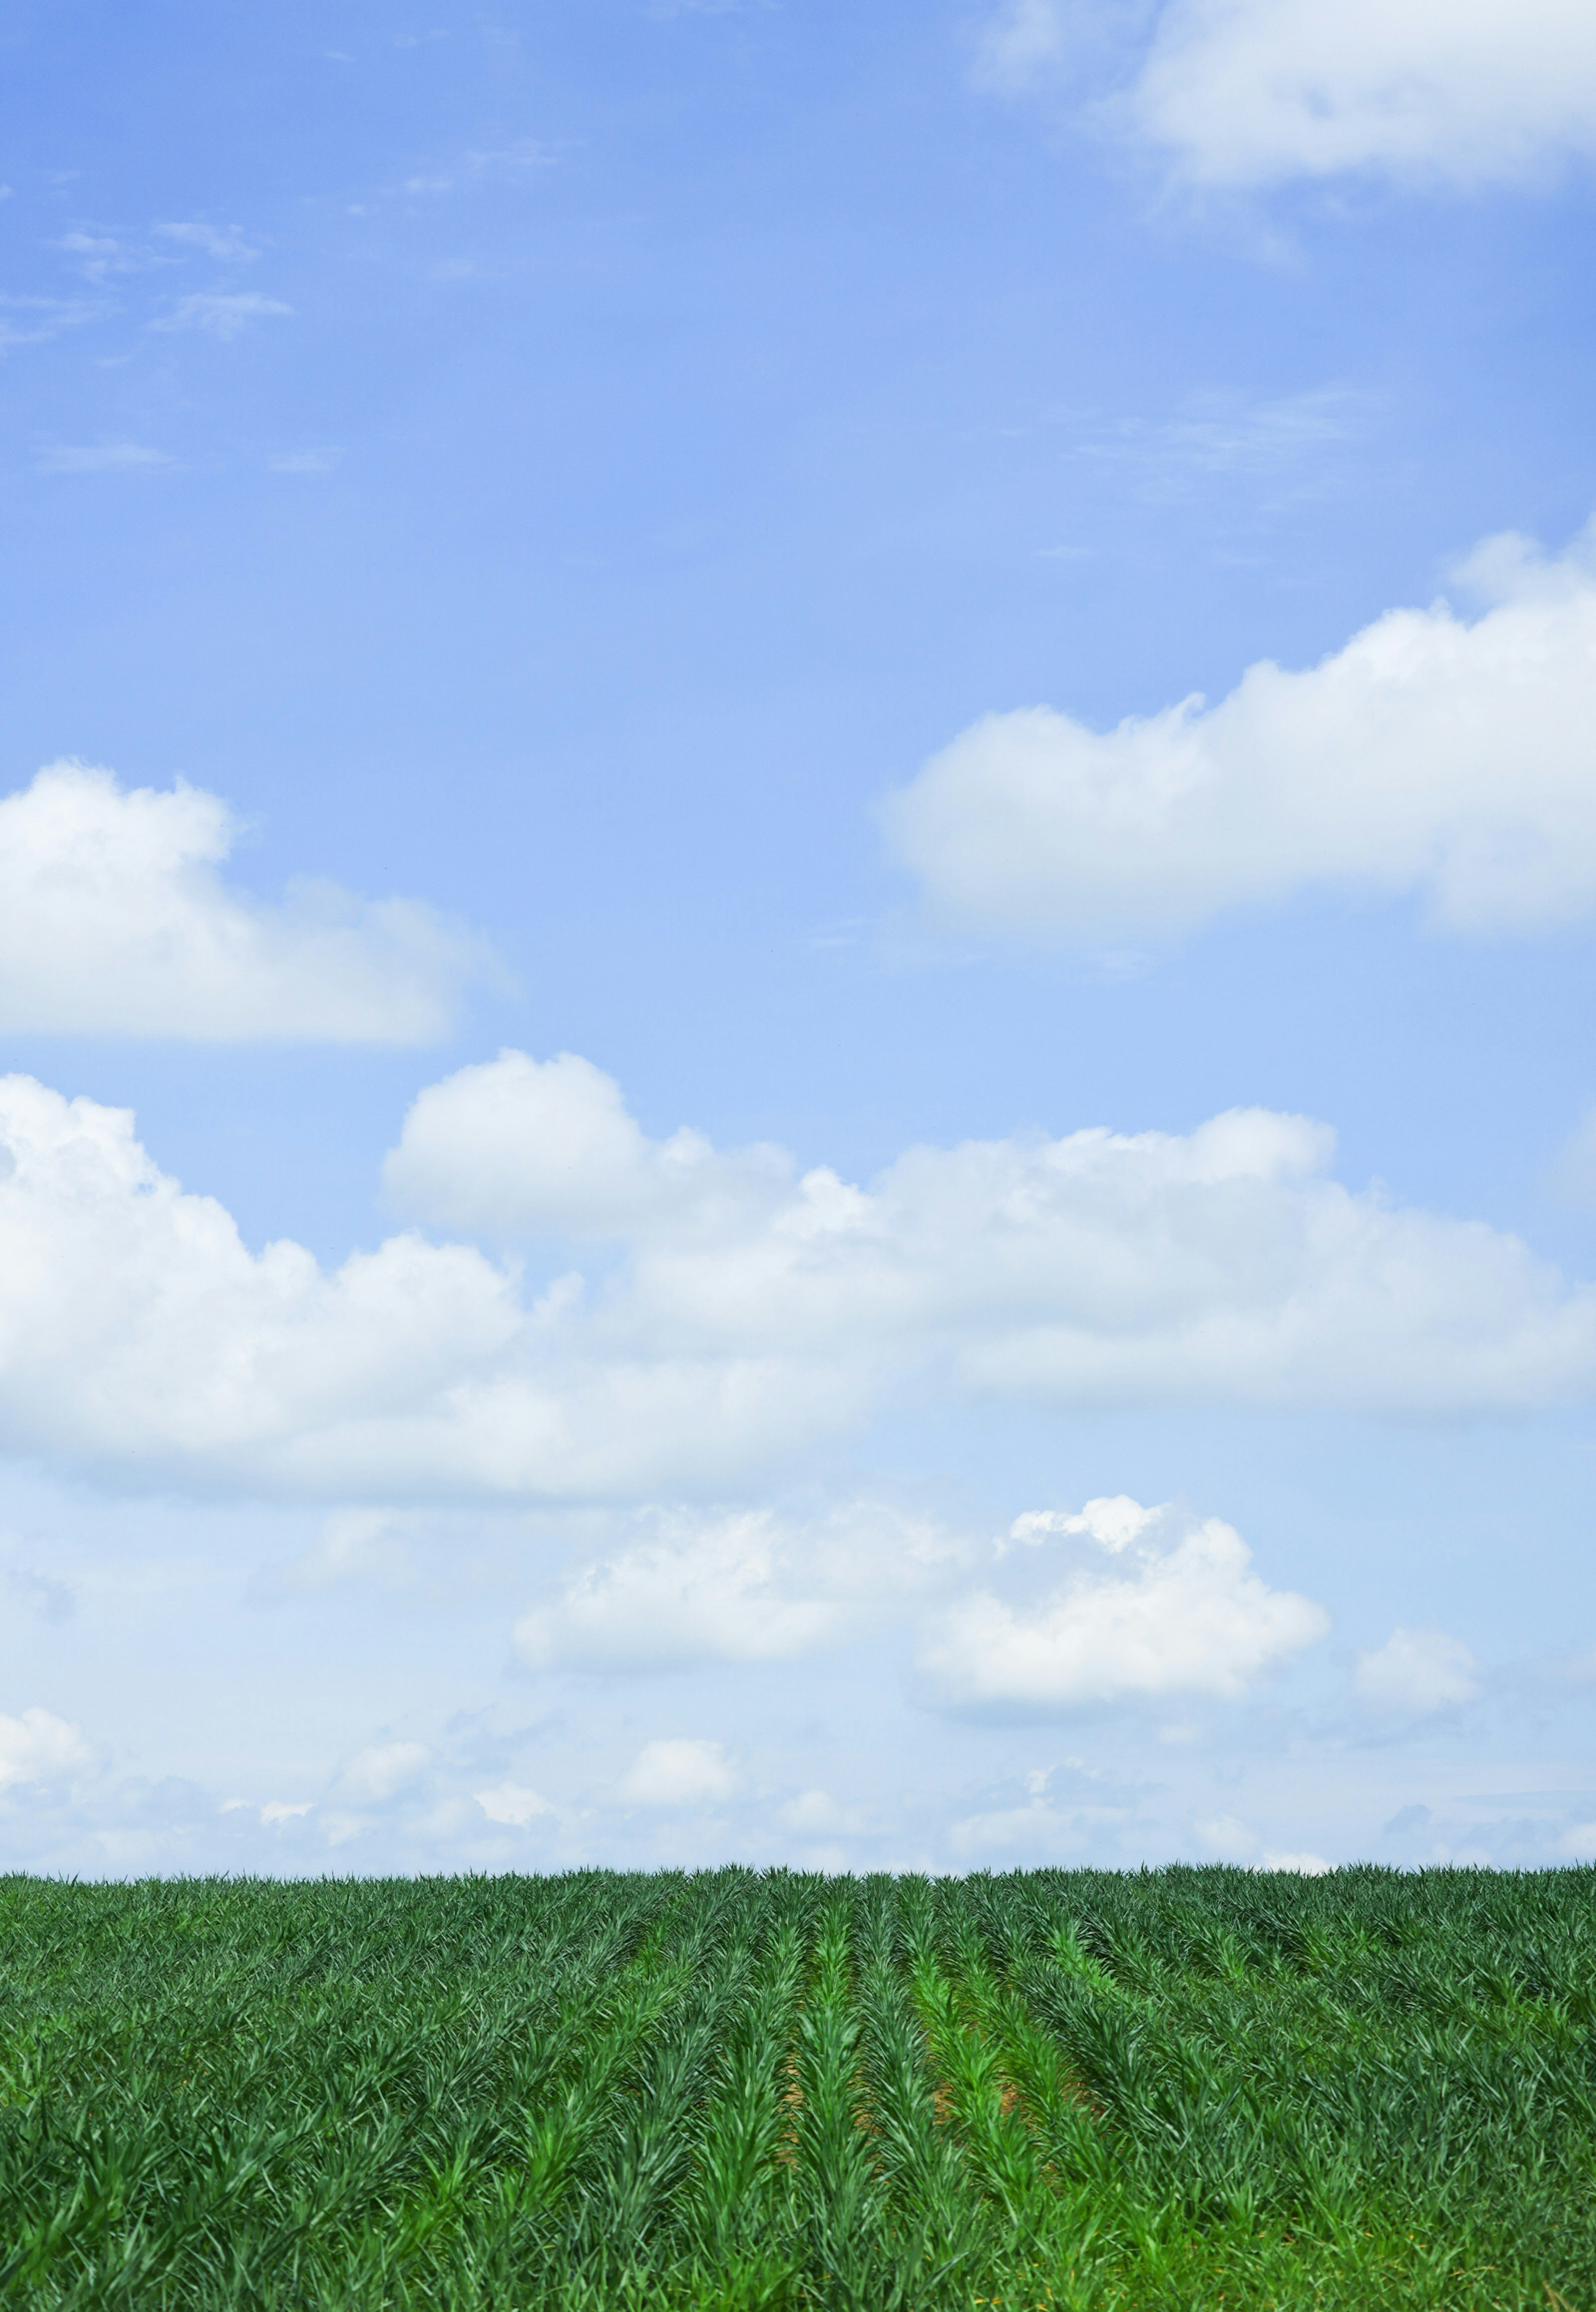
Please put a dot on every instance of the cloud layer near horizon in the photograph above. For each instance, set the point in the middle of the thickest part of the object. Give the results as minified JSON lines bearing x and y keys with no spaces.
{"x":726,"y":1325}
{"x":1114,"y":1605}
{"x":115,"y":920}
{"x":1431,"y":755}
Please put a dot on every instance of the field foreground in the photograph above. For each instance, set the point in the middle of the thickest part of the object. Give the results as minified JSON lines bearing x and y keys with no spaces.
{"x":1185,"y":2088}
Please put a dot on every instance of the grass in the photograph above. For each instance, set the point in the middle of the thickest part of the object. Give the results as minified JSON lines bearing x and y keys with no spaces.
{"x":1059,"y":2088}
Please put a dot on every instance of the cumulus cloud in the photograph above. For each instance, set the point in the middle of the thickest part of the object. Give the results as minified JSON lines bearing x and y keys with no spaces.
{"x":115,"y":920}
{"x":1224,"y":1266}
{"x":1177,"y":1610}
{"x":519,"y":1147}
{"x":681,"y":1773}
{"x":744,"y":1585}
{"x":1432,"y":755}
{"x":38,"y":1748}
{"x":1415,"y":1672}
{"x":1246,"y":93}
{"x":137,"y":1330}
{"x":1219,"y":1265}
{"x":1113,"y":1521}
{"x":710,"y":1594}
{"x":1461,"y":93}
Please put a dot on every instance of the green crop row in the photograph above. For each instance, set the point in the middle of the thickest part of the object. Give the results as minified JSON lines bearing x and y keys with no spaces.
{"x":1177,"y":2088}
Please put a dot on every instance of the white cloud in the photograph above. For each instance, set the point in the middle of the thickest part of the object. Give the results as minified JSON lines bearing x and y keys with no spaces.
{"x":1304,"y":1865}
{"x":1115,"y":1521}
{"x":135,"y":1328}
{"x":1413,"y":1672}
{"x":1580,"y":1843}
{"x":671,"y":1773}
{"x":223,"y":314}
{"x":1181,"y":1612}
{"x":1247,"y":93}
{"x":731,"y":1586}
{"x":1223,"y":1265}
{"x":115,"y":919}
{"x":1460,"y":92}
{"x":276,"y":1811}
{"x":1432,"y":755}
{"x":513,"y":1804}
{"x":226,"y":244}
{"x":382,"y":1770}
{"x":712,"y":1594}
{"x":98,"y":457}
{"x":1025,"y":39}
{"x":519,"y":1147}
{"x":38,"y":1748}
{"x":139,"y":1334}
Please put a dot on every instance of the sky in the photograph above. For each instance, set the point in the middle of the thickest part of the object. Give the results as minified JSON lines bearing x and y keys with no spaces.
{"x":798,"y":851}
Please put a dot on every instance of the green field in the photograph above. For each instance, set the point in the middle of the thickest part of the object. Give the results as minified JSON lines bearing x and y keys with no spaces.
{"x":1183,"y":2087}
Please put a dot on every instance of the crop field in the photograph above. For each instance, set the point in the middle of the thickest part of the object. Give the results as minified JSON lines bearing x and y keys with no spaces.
{"x":1184,"y":2087}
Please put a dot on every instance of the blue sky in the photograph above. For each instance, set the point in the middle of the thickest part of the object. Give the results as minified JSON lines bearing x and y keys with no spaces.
{"x":687,"y":1021}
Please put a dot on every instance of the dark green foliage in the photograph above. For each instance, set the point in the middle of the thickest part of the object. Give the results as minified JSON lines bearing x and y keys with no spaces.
{"x":1182,"y":2089}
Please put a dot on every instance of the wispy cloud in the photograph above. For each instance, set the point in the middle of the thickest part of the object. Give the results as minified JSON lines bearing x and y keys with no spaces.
{"x":1024,"y":40}
{"x":1220,"y":435}
{"x":225,"y":315}
{"x":99,"y":457}
{"x":305,"y":461}
{"x":226,"y":244}
{"x":511,"y":160}
{"x":99,"y":246}
{"x":100,"y":253}
{"x":498,"y":163}
{"x":33,"y":320}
